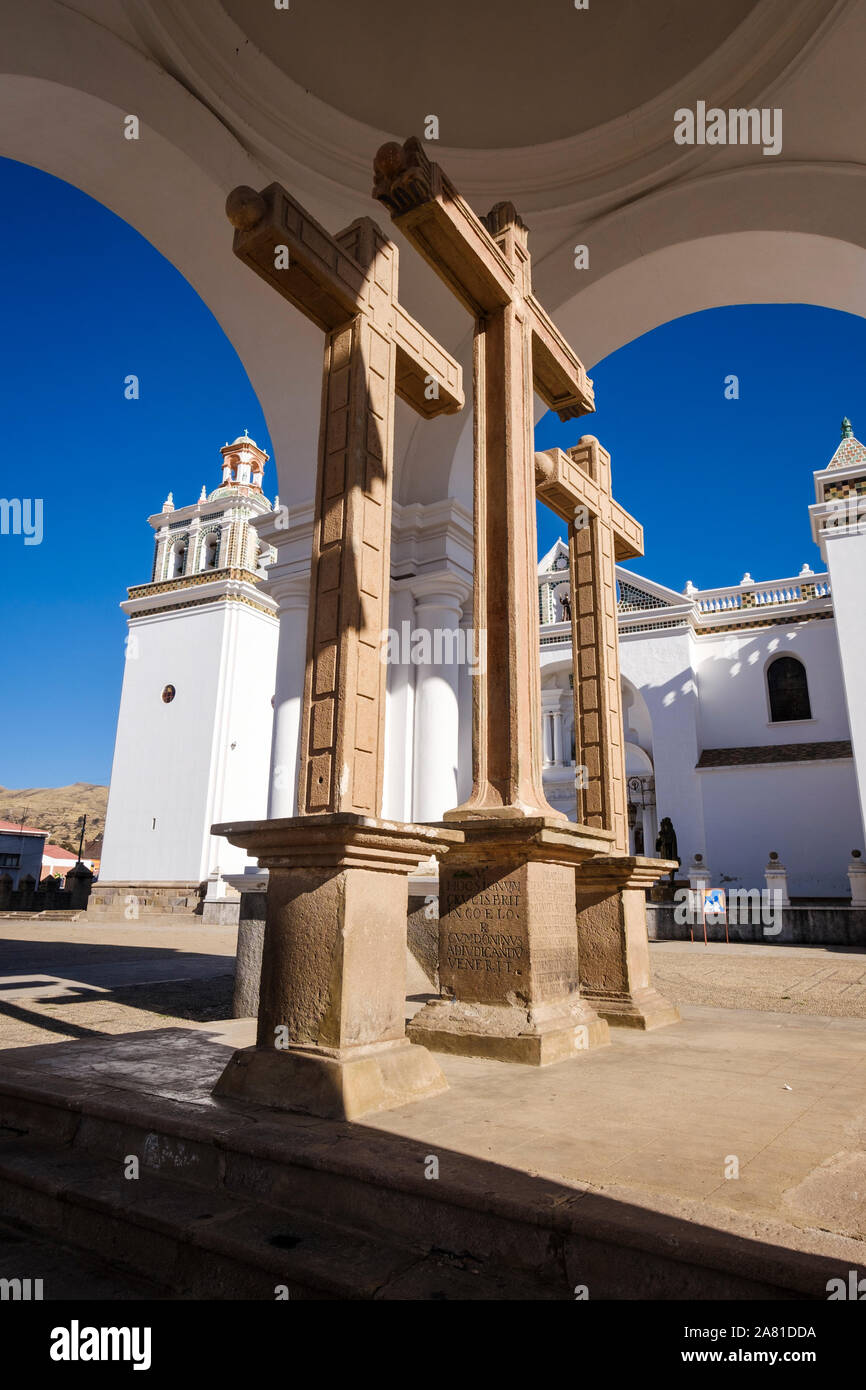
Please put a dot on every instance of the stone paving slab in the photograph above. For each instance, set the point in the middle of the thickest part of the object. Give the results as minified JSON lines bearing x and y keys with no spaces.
{"x":61,"y":980}
{"x":820,"y":981}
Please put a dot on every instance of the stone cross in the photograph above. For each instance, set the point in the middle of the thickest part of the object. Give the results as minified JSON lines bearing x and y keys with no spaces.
{"x":347,"y":285}
{"x":613,"y":951}
{"x":526,"y":975}
{"x":331,"y":1037}
{"x":508,"y":939}
{"x":576,"y":485}
{"x":486,"y":264}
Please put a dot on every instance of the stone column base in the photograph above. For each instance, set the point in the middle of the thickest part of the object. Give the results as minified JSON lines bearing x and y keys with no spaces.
{"x":508,"y":954}
{"x":507,"y":1033}
{"x":612,"y":940}
{"x":644,"y":1008}
{"x":334,"y":1084}
{"x":331,"y":1037}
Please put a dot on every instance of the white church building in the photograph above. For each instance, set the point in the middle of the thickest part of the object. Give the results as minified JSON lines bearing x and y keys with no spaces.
{"x":739,"y":704}
{"x":744,"y":708}
{"x":196,"y":711}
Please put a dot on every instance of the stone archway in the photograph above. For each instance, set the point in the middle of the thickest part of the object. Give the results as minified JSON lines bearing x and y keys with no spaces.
{"x":639,"y":770}
{"x":174,"y":197}
{"x":791,"y":235}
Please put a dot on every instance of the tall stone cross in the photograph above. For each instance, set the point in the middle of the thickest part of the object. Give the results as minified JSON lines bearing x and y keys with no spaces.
{"x":576,"y":485}
{"x":331,"y":1037}
{"x":515,"y":984}
{"x":486,"y":264}
{"x":347,"y":285}
{"x":613,"y":950}
{"x":508,"y":940}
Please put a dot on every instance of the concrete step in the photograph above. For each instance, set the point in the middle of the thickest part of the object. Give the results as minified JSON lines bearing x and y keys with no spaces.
{"x":59,"y":914}
{"x":191,"y":1243}
{"x":64,"y":1273}
{"x":231,"y":1180}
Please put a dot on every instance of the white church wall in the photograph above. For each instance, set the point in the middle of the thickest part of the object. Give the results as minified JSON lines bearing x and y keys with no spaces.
{"x":806,"y":812}
{"x":175,"y":772}
{"x":732,"y":681}
{"x":846,"y":561}
{"x":660,"y":665}
{"x":158,"y":802}
{"x":242,"y":732}
{"x":636,"y":719}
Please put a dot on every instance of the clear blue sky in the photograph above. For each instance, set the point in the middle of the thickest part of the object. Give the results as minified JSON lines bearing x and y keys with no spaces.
{"x":720,"y":486}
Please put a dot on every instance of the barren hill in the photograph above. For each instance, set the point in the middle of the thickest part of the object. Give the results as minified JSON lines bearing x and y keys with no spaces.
{"x":58,"y":810}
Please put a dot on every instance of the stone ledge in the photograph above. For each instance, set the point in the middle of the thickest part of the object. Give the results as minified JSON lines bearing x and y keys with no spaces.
{"x":548,"y":1230}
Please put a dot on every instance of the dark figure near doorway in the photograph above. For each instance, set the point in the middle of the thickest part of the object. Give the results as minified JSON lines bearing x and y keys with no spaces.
{"x":666,"y":843}
{"x":566,"y":608}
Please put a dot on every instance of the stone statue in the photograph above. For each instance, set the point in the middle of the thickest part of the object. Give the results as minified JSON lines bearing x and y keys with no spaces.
{"x":666,"y":843}
{"x":566,"y":608}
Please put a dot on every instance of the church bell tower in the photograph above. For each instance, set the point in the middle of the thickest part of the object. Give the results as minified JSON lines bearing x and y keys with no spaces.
{"x":194,"y":729}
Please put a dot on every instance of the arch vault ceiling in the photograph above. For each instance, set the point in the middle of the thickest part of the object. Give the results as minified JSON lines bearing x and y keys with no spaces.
{"x":498,"y":74}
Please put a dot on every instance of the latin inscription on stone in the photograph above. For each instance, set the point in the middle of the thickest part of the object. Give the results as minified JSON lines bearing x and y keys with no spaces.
{"x":482,"y":937}
{"x":514,"y":934}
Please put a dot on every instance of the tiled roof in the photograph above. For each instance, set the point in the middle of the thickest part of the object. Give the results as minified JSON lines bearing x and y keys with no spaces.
{"x":12,"y":827}
{"x":774,"y":753}
{"x":58,"y":852}
{"x":850,"y":451}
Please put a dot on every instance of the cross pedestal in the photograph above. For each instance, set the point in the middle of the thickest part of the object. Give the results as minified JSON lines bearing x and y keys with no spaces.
{"x":331,"y":1036}
{"x":615,"y":974}
{"x":508,"y":949}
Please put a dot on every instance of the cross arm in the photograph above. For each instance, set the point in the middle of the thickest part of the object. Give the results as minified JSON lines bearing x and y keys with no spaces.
{"x":562,"y":485}
{"x":558,"y":374}
{"x":420,"y":359}
{"x":322,"y":279}
{"x":442,"y":227}
{"x":627,"y":533}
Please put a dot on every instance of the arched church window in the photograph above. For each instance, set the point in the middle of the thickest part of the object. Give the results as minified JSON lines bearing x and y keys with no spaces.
{"x":178,"y":560}
{"x":211,"y":551}
{"x":788,"y":690}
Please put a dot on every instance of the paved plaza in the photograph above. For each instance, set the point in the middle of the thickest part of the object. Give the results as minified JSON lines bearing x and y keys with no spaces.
{"x":72,"y":979}
{"x":76,"y":979}
{"x":737,"y":1123}
{"x":821,"y":981}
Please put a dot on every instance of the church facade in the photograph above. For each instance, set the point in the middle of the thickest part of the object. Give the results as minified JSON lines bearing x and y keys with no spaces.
{"x":194,"y":727}
{"x":738,"y":705}
{"x":743,"y":708}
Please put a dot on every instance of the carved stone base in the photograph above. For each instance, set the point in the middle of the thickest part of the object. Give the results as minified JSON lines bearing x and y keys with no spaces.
{"x":508,"y":1033}
{"x":341,"y":1085}
{"x":645,"y":1009}
{"x":615,"y":972}
{"x":331,"y":1036}
{"x":508,"y":959}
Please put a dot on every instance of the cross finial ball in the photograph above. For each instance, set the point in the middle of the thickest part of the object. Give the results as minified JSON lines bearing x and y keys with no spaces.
{"x":244,"y":208}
